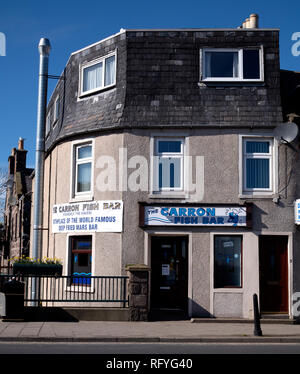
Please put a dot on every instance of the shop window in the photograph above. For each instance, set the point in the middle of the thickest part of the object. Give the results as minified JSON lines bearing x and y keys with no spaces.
{"x":83,"y":161}
{"x":98,"y":74}
{"x":81,"y":259}
{"x":257,"y":165}
{"x":227,"y":261}
{"x":168,"y":164}
{"x":231,"y":64}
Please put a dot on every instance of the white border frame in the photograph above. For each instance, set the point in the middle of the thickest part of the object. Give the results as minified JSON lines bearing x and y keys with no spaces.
{"x":48,"y":123}
{"x":183,"y":193}
{"x":90,"y":289}
{"x":267,"y":156}
{"x":240,"y":78}
{"x":274,"y":169}
{"x":178,"y":155}
{"x":91,"y":63}
{"x":56,"y":115}
{"x":85,"y":196}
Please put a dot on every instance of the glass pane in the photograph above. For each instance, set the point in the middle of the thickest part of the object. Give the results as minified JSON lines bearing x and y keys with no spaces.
{"x":81,"y":261}
{"x":257,"y":147}
{"x":109,"y":71}
{"x":227,"y":261}
{"x":92,"y":77}
{"x":257,"y":174}
{"x":82,"y":243}
{"x":84,"y":177}
{"x":251,"y":67}
{"x":221,"y":64}
{"x":56,"y":108}
{"x":48,"y":124}
{"x":84,"y":152}
{"x":169,"y":172}
{"x":169,"y":146}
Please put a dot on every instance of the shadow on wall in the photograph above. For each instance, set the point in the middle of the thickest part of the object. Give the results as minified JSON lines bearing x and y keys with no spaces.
{"x":258,"y":213}
{"x":179,"y":314}
{"x":199,"y":311}
{"x":48,"y":314}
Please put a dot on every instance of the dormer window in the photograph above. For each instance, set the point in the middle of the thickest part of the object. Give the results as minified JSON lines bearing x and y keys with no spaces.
{"x":243,"y":64}
{"x":48,"y":123}
{"x":56,"y":111}
{"x":98,"y":74}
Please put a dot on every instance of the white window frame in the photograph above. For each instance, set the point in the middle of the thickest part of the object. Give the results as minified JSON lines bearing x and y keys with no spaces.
{"x":239,"y":78}
{"x":56,"y":111}
{"x":81,"y":288}
{"x":155,"y":165}
{"x":86,"y":195}
{"x":273,"y":168}
{"x":95,"y":62}
{"x":48,"y":123}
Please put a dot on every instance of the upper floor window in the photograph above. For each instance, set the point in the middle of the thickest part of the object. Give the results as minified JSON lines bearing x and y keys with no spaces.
{"x":83,"y":169}
{"x":258,"y":165}
{"x":243,"y":64}
{"x":56,"y":110}
{"x":48,"y":123}
{"x":98,"y":74}
{"x":168,"y":164}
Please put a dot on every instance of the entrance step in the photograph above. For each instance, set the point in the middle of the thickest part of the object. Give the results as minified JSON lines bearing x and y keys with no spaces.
{"x":274,"y":316}
{"x":167,"y":315}
{"x":244,"y":320}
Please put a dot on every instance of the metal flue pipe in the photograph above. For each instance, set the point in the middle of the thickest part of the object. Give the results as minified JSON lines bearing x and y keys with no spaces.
{"x":44,"y":50}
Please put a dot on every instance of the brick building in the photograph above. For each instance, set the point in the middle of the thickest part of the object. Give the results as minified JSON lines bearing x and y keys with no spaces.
{"x":17,"y":205}
{"x":161,"y":151}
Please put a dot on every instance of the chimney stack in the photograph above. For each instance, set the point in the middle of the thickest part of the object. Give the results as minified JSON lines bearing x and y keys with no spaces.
{"x":17,"y":160}
{"x":251,"y":22}
{"x":21,"y":144}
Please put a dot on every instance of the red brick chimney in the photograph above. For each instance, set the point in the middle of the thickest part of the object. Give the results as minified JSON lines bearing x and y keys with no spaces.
{"x":17,"y":160}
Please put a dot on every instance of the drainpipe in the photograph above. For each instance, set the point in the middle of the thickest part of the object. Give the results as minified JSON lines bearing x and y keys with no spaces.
{"x":44,"y":50}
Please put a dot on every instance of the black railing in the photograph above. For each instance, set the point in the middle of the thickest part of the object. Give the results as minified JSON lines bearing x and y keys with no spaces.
{"x":76,"y":289}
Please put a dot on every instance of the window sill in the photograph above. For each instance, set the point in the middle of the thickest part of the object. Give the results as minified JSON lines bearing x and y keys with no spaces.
{"x":78,"y":199}
{"x":169,"y":196}
{"x":229,"y":289}
{"x":257,"y":196}
{"x":97,"y":91}
{"x":221,"y":83}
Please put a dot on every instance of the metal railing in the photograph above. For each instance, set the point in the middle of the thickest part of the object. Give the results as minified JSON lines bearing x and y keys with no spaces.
{"x":76,"y":289}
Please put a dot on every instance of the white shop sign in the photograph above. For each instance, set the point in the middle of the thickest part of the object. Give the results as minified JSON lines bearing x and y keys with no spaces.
{"x":94,"y":216}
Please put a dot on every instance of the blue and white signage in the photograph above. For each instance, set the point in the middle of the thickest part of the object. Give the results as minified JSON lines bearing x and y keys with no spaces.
{"x":94,"y":216}
{"x":297,"y":212}
{"x":195,"y":216}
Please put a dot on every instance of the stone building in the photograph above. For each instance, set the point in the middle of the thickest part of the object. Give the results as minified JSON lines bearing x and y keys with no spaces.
{"x":161,"y":151}
{"x":17,"y":205}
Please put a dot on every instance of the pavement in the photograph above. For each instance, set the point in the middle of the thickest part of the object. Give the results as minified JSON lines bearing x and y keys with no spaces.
{"x":229,"y":331}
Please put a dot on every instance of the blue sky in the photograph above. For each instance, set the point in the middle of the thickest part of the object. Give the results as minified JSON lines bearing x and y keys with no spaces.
{"x":71,"y":25}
